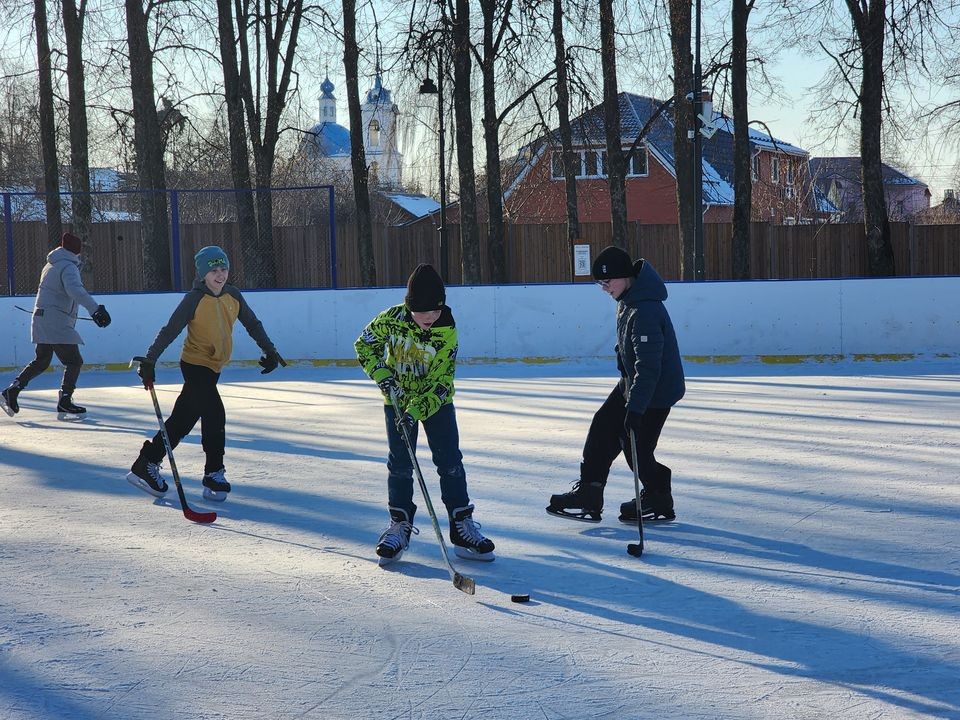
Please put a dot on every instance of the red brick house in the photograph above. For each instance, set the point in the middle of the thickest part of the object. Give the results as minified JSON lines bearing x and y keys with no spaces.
{"x":782,"y":192}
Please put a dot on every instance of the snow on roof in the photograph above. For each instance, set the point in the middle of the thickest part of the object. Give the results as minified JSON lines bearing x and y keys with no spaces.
{"x":761,"y":139}
{"x":716,"y":190}
{"x":417,"y":205}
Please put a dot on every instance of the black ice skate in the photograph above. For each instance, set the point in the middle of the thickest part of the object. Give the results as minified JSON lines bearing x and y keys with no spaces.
{"x":656,"y":507}
{"x":145,"y":475}
{"x":584,"y":502}
{"x":465,"y":536}
{"x":66,"y":410}
{"x":215,"y":486}
{"x":8,"y":399}
{"x":396,"y":538}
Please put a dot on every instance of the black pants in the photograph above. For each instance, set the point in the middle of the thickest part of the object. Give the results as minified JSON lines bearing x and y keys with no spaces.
{"x":198,"y":400}
{"x":607,"y":438}
{"x":69,"y":355}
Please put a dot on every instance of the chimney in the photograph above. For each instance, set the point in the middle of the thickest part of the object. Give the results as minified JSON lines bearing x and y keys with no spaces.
{"x":948,"y":194}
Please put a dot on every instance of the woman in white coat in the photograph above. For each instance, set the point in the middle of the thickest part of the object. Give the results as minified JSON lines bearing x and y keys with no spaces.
{"x":53,"y":331}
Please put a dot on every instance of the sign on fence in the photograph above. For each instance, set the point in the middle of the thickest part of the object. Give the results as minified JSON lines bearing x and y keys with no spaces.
{"x":581,"y":259}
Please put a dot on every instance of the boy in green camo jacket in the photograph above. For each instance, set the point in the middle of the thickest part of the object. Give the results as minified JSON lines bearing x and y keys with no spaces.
{"x":410,"y":350}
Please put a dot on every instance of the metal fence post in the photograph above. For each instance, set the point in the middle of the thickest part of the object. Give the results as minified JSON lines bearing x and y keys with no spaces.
{"x":333,"y":242}
{"x":8,"y":233}
{"x":175,"y":239}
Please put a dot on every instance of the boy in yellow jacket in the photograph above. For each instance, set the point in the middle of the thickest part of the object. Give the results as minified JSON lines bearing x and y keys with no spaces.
{"x":208,"y":312}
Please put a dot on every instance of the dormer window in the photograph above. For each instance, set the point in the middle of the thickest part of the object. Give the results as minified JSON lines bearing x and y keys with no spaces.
{"x":374,"y":129}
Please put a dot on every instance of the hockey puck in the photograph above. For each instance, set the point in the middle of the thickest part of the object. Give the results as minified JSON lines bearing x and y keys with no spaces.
{"x":520,"y":598}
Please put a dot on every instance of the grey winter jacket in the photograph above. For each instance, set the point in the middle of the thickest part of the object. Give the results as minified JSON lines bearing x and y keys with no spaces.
{"x":647,"y":350}
{"x":59,"y":296}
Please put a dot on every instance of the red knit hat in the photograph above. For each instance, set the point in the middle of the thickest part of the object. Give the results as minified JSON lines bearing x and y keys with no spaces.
{"x":71,"y":242}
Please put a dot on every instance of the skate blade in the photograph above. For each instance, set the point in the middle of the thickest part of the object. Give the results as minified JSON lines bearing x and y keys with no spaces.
{"x":659,"y":519}
{"x":7,"y":409}
{"x":138,"y":483}
{"x":468,"y":554}
{"x":384,"y":561}
{"x":579,"y":517}
{"x":71,"y":417}
{"x":214,"y":495}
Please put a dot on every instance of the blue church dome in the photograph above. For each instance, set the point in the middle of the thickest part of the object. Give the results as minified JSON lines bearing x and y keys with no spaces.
{"x":326,"y":87}
{"x":326,"y":140}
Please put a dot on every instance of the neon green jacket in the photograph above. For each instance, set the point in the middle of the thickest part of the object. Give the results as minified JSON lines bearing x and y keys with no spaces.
{"x":423,"y":362}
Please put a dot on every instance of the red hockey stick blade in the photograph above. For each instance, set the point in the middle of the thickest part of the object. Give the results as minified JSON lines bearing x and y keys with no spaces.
{"x":198,"y":517}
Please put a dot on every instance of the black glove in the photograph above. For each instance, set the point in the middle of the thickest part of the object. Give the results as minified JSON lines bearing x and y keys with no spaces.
{"x":147,"y":373}
{"x":405,"y":421}
{"x":101,"y":317}
{"x":270,"y":360}
{"x":633,"y":421}
{"x":389,"y":384}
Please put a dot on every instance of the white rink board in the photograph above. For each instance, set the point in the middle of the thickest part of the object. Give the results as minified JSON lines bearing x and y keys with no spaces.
{"x":801,"y":318}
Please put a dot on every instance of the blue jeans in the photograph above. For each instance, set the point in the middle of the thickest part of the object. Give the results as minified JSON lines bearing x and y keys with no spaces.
{"x":444,"y":440}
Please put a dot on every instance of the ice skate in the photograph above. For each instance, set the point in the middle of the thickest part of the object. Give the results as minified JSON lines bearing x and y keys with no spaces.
{"x":8,"y":399}
{"x":66,"y":410}
{"x":583,"y":503}
{"x":465,"y":536}
{"x":396,"y":538}
{"x":145,"y":475}
{"x":215,"y":486}
{"x":656,"y":507}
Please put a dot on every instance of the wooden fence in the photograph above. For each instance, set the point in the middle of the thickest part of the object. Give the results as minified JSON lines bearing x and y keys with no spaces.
{"x":535,"y":253}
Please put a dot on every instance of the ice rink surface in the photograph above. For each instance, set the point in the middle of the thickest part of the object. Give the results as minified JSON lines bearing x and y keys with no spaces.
{"x":813,"y":570}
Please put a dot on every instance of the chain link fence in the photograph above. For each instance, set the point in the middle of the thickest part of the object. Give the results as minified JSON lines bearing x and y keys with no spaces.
{"x":145,"y":240}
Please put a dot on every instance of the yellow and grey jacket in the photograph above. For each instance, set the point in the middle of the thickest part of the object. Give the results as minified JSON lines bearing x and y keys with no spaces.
{"x":209,"y":321}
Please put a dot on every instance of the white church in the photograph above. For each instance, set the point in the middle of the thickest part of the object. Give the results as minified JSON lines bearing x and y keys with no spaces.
{"x":327,"y":140}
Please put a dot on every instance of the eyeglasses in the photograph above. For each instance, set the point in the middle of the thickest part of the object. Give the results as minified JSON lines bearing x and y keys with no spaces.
{"x":604,"y":283}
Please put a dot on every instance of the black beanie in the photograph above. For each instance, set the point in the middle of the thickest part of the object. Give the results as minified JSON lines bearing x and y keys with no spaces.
{"x":611,"y":263}
{"x":425,"y":290}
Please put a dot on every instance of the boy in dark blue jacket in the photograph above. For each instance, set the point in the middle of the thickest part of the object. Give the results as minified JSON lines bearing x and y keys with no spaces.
{"x":651,"y":382}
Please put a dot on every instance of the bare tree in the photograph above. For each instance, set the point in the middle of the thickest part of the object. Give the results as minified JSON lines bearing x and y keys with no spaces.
{"x":358,"y":160}
{"x":73,"y":20}
{"x":148,"y":140}
{"x":265,"y":74}
{"x":742,"y":184}
{"x":48,"y":132}
{"x":869,"y":22}
{"x":680,"y":24}
{"x":237,"y":133}
{"x":463,"y":110}
{"x":566,"y":133}
{"x":616,"y":167}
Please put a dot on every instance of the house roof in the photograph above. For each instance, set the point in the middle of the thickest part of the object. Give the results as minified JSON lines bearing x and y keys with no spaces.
{"x":417,"y":205}
{"x":635,"y":112}
{"x":824,"y":169}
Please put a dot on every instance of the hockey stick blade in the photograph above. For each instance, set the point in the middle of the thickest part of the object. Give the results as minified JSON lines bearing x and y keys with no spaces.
{"x":464,"y":584}
{"x":198,"y":517}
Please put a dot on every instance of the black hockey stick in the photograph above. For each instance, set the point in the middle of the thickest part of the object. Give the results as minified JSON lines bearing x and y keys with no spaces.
{"x":57,"y":309}
{"x":636,"y":549}
{"x":460,"y":582}
{"x":188,"y":513}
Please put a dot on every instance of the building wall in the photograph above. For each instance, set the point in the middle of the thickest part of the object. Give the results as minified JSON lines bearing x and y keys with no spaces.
{"x":542,"y":199}
{"x":789,"y":320}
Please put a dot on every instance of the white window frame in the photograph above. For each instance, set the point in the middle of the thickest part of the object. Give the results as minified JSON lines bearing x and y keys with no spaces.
{"x":755,"y":167}
{"x":775,"y":170}
{"x":790,"y":171}
{"x":640,"y":152}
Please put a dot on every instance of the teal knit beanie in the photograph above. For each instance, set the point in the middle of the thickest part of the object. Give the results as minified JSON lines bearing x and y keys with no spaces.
{"x":210,"y":258}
